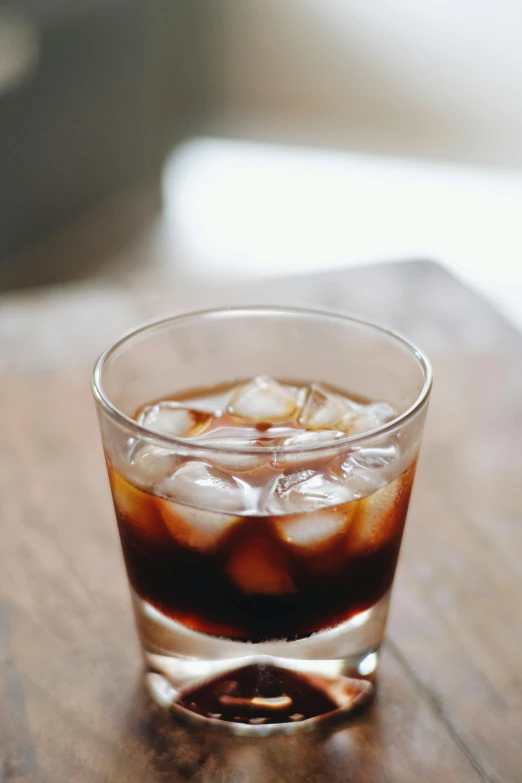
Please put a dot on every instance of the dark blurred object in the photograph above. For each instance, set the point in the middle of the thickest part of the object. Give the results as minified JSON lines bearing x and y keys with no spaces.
{"x":109,"y":90}
{"x":73,"y":132}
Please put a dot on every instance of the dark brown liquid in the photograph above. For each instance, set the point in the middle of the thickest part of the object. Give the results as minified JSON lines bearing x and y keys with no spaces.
{"x":310,"y":590}
{"x":259,"y":694}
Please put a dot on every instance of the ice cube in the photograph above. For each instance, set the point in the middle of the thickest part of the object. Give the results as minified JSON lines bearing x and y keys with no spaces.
{"x":308,"y":438}
{"x":300,"y":393}
{"x":367,"y":469}
{"x":262,"y":400}
{"x":372,"y":526}
{"x":137,"y":508}
{"x":201,"y":485}
{"x":304,"y":440}
{"x":313,"y":532}
{"x":235,"y":461}
{"x":257,"y":566}
{"x":322,"y":409}
{"x":214,"y":403}
{"x":194,"y":527}
{"x":275,"y":436}
{"x":380,"y":513}
{"x":375,"y":458}
{"x":149,"y":464}
{"x":305,"y":490}
{"x":170,"y":418}
{"x":368,"y":417}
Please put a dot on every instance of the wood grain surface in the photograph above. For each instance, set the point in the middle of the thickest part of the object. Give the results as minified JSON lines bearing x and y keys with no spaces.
{"x":449,"y":701}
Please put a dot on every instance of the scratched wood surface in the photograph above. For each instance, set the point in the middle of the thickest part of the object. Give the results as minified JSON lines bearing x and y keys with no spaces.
{"x":449,"y":703}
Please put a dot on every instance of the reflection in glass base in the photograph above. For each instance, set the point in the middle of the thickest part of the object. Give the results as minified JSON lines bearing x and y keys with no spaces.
{"x":261,"y":688}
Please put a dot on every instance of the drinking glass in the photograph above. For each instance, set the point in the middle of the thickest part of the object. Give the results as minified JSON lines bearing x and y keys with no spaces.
{"x":302,"y":645}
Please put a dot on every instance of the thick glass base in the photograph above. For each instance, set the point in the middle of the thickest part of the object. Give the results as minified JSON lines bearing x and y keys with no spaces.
{"x":262,"y":688}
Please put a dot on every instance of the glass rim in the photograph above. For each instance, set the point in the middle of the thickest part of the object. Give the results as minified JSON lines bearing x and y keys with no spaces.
{"x":199,"y":445}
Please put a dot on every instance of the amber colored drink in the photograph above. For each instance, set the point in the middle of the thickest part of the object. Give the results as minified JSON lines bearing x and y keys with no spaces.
{"x":317,"y":544}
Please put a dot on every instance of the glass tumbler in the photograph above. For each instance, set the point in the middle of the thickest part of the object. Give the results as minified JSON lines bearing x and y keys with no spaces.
{"x":277,"y":625}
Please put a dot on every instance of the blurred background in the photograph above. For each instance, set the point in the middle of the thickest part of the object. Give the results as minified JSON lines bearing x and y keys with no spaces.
{"x":235,"y":139}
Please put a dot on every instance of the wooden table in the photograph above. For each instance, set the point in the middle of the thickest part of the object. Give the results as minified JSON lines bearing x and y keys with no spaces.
{"x":449,"y":703}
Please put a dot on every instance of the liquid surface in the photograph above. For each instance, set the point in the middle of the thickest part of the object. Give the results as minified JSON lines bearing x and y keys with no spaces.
{"x":274,"y":544}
